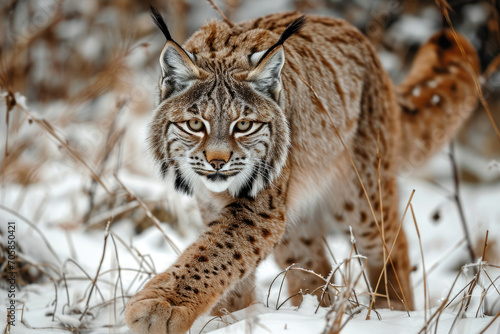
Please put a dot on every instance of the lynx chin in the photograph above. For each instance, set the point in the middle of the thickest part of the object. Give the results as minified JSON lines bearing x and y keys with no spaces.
{"x":243,"y":125}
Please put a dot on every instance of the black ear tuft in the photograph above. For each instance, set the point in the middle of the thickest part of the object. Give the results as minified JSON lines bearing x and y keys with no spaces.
{"x":293,"y":28}
{"x":160,"y":23}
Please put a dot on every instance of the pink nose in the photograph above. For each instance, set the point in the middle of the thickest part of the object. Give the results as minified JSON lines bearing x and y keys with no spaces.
{"x":217,"y":164}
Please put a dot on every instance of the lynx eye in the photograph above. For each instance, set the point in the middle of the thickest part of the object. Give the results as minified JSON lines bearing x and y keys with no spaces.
{"x":243,"y":126}
{"x":195,"y":125}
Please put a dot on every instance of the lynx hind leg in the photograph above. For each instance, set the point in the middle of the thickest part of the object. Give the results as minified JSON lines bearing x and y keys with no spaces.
{"x":369,"y":240}
{"x":240,"y":297}
{"x":306,"y":251}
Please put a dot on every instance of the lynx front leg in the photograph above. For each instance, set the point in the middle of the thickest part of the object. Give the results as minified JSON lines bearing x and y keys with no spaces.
{"x":245,"y":233}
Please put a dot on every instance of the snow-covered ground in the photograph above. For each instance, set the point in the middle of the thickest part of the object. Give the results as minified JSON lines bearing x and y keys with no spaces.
{"x":130,"y":259}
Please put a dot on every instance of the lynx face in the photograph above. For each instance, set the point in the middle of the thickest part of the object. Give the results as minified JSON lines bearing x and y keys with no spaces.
{"x":219,"y":127}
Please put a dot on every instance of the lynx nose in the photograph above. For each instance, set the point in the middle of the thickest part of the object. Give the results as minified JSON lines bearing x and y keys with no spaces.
{"x":217,"y":164}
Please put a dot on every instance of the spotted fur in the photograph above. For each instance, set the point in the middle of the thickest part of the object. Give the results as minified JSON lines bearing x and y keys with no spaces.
{"x":280,"y":187}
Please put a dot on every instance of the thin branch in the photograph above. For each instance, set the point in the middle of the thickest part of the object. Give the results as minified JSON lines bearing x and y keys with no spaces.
{"x":224,"y":17}
{"x":458,"y":202}
{"x":150,"y":215}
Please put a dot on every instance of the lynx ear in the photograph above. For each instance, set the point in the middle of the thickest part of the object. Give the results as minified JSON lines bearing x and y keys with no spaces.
{"x":178,"y":69}
{"x":177,"y":65}
{"x":266,"y":75}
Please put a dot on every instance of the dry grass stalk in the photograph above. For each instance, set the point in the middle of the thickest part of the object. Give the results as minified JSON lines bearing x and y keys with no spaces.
{"x":389,"y":258}
{"x":33,"y":226}
{"x":379,"y":182}
{"x":490,"y":323}
{"x":112,"y":139}
{"x":52,"y":132}
{"x":221,"y":13}
{"x":155,"y":220}
{"x":94,"y":281}
{"x":426,"y":301}
{"x":335,"y":315}
{"x":458,"y":201}
{"x":441,"y":260}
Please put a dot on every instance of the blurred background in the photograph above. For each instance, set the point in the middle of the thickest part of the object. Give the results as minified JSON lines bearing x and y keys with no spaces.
{"x":95,"y":63}
{"x":78,"y":82}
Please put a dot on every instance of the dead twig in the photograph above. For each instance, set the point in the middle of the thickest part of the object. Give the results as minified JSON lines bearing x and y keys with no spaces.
{"x":27,"y":221}
{"x":458,"y":201}
{"x":224,"y":17}
{"x":150,"y":215}
{"x":94,"y":281}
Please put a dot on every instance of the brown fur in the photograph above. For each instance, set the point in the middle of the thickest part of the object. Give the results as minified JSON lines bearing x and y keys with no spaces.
{"x":309,"y":181}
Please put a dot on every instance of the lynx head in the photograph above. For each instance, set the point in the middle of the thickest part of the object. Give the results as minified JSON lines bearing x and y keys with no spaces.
{"x":217,"y":126}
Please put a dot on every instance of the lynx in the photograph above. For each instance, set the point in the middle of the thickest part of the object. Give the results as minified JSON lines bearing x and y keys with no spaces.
{"x":246,"y":123}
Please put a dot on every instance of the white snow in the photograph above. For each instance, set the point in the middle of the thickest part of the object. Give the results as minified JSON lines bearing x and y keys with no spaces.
{"x":149,"y":253}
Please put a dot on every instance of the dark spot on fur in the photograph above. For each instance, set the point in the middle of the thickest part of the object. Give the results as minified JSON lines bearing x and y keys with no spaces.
{"x":219,"y":245}
{"x":348,"y":206}
{"x":195,"y":291}
{"x":237,"y":256}
{"x":196,"y":277}
{"x":256,"y":250}
{"x":266,"y":233}
{"x":306,"y":242}
{"x":409,"y":111}
{"x":248,"y":222}
{"x":264,"y":215}
{"x":202,"y":259}
{"x":229,"y":245}
{"x":215,"y":222}
{"x":271,"y":206}
{"x":251,"y":239}
{"x":443,"y":42}
{"x":234,"y":206}
{"x":202,"y":248}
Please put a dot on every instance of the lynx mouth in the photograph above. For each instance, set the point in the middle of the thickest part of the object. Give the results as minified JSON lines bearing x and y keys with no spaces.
{"x":217,"y":176}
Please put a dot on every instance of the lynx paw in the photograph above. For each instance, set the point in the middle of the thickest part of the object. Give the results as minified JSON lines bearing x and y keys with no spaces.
{"x":149,"y":311}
